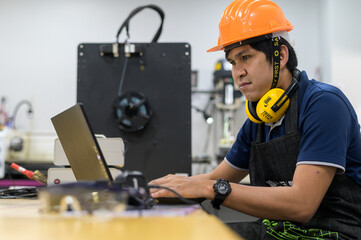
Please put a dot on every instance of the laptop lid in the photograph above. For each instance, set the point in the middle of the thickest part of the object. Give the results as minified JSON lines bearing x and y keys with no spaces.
{"x":80,"y":145}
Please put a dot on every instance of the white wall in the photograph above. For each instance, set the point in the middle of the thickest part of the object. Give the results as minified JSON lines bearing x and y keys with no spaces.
{"x":345,"y":48}
{"x":39,"y":38}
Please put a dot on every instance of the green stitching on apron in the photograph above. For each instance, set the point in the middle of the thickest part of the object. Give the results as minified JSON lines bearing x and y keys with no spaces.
{"x":290,"y":231}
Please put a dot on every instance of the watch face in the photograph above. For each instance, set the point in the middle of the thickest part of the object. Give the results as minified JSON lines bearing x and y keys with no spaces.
{"x":222,"y":188}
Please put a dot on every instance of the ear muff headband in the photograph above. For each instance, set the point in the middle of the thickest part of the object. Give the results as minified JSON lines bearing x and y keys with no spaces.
{"x":287,"y":94}
{"x":251,"y":111}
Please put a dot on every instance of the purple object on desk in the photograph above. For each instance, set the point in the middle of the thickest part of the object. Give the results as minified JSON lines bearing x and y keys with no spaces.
{"x":19,"y":182}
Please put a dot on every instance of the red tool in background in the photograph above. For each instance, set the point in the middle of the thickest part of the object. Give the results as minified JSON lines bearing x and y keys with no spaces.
{"x":36,"y":175}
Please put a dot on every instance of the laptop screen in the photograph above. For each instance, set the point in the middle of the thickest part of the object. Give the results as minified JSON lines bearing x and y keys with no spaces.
{"x":80,"y":145}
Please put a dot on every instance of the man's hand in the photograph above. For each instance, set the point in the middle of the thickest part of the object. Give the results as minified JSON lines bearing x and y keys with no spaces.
{"x":187,"y":187}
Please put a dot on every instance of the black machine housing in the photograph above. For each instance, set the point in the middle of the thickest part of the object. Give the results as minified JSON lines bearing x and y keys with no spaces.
{"x":157,"y":76}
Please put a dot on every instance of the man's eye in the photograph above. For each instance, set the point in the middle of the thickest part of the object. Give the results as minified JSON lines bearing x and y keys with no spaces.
{"x":245,"y":57}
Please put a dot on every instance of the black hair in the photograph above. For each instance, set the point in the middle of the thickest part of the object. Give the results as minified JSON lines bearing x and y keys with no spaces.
{"x":267,"y":48}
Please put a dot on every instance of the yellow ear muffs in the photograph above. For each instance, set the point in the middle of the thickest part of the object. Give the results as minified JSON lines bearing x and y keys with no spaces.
{"x":273,"y":105}
{"x":261,"y":111}
{"x":264,"y":106}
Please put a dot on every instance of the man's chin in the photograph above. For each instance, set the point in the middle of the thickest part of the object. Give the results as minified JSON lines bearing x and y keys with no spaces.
{"x":252,"y":99}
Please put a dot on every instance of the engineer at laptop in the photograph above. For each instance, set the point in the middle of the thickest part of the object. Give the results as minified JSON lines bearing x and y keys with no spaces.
{"x":304,"y":164}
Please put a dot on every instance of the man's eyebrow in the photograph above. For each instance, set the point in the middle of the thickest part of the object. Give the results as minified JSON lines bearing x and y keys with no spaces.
{"x":240,"y":53}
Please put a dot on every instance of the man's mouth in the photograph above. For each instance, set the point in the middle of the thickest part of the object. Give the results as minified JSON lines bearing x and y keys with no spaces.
{"x":243,"y":85}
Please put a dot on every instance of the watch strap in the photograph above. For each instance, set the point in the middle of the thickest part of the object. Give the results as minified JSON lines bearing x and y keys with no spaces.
{"x":220,"y":197}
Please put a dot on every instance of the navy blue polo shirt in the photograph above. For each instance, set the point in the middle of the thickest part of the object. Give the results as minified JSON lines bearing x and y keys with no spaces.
{"x":327,"y":123}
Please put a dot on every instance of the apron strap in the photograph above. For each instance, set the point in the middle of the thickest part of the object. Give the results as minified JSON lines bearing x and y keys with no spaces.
{"x":291,"y":117}
{"x":260,"y":133}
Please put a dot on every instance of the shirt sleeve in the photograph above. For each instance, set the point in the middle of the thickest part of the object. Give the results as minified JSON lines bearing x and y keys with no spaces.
{"x":325,"y":130}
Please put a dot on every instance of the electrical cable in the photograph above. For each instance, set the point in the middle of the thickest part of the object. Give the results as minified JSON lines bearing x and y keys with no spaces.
{"x":210,"y":127}
{"x":28,"y":193}
{"x":16,"y":109}
{"x":135,"y":11}
{"x":123,"y":75}
{"x":183,"y":199}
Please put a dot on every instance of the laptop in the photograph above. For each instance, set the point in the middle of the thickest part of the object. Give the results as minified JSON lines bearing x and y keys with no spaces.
{"x":87,"y":160}
{"x":80,"y":145}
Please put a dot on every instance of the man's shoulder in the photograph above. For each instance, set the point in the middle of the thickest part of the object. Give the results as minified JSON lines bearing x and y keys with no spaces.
{"x":312,"y":86}
{"x":314,"y":91}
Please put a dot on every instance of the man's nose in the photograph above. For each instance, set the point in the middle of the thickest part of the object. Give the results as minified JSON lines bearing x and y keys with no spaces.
{"x":239,"y":72}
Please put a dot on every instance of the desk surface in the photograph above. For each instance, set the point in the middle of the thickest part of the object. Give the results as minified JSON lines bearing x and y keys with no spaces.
{"x":20,"y":219}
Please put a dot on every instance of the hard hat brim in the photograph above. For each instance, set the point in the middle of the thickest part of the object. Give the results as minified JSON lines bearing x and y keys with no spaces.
{"x":275,"y":32}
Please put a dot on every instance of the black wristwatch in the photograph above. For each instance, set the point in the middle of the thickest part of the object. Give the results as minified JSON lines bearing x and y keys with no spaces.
{"x":221,"y":190}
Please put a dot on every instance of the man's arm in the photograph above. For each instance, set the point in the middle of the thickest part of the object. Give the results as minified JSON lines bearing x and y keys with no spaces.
{"x":296,"y":203}
{"x":223,"y":170}
{"x":198,"y":185}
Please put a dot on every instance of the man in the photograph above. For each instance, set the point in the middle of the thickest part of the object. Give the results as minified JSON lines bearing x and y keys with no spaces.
{"x":301,"y":145}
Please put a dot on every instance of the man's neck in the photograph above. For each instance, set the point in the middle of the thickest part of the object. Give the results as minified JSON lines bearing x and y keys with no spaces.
{"x":285,"y":79}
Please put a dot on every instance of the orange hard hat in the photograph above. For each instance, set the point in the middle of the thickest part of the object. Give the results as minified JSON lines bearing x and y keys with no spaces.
{"x":245,"y":19}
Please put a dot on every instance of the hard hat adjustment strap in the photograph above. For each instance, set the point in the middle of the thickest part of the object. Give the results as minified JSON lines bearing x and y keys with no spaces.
{"x":248,"y":41}
{"x":276,"y":61}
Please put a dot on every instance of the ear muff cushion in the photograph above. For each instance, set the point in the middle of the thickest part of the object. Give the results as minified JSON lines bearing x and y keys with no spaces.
{"x":264,"y":106}
{"x":251,"y":111}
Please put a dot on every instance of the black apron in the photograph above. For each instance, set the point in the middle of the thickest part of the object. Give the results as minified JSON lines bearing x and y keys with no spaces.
{"x":273,"y":164}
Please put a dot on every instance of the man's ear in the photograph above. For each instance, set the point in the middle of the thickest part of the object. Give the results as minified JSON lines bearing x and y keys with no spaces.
{"x":284,"y":56}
